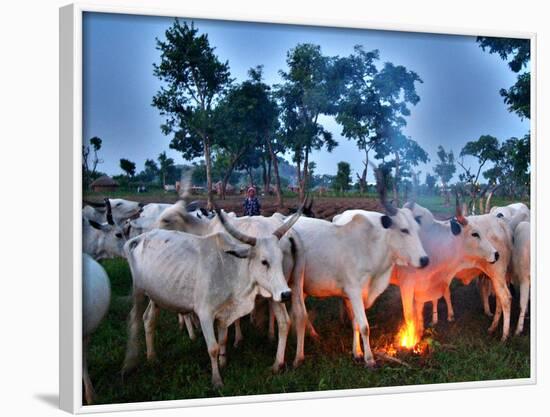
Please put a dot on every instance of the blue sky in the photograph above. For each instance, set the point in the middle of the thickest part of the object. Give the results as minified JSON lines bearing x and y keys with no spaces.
{"x":459,"y":97}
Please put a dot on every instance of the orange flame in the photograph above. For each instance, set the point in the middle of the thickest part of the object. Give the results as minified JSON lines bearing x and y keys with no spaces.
{"x":408,"y":337}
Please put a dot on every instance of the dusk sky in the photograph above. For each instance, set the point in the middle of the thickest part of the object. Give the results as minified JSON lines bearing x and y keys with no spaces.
{"x":459,"y":99}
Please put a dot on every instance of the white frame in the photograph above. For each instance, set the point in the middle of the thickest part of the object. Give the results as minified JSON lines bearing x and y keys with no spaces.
{"x":70,"y":196}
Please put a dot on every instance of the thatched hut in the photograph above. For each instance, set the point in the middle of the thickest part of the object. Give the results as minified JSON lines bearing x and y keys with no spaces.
{"x":104,"y":183}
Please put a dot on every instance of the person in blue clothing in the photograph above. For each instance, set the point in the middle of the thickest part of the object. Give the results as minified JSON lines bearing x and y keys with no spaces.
{"x":251,"y":204}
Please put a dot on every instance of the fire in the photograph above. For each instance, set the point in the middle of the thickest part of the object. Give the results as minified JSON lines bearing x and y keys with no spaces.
{"x":408,"y":337}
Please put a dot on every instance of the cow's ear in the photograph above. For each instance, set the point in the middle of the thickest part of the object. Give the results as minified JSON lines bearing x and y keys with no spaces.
{"x":455,"y":227}
{"x":386,"y":221}
{"x":95,"y":225}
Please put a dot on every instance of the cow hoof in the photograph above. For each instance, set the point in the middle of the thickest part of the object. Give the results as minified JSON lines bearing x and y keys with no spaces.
{"x":237,"y":343}
{"x":297,"y":363}
{"x":370,"y":364}
{"x":278,"y":368}
{"x":218,"y":384}
{"x":358,"y":359}
{"x":503,"y":338}
{"x":152,"y":358}
{"x":271,"y":337}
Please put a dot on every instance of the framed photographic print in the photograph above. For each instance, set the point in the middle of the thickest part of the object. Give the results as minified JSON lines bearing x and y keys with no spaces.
{"x":260,"y":210}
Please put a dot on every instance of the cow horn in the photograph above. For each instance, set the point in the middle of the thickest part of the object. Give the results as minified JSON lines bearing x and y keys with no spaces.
{"x":93,"y":204}
{"x":381,"y":188}
{"x":489,"y":197}
{"x":185,"y":186}
{"x":285,"y":227}
{"x":109,"y":212}
{"x":249,"y":240}
{"x":459,"y":214}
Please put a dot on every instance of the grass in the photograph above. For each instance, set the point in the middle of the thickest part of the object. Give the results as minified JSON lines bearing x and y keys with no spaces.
{"x":460,"y":351}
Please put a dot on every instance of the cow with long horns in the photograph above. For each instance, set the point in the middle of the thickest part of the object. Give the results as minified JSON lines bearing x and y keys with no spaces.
{"x":217,"y":277}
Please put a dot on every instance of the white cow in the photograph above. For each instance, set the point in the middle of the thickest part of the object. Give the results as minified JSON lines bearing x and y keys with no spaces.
{"x":96,"y":297}
{"x":353,"y":257}
{"x":177,"y":218}
{"x":466,"y":267}
{"x":120,"y":209}
{"x":513,"y":214}
{"x":212,"y":276}
{"x":452,"y":246}
{"x":521,"y":268}
{"x":102,"y":240}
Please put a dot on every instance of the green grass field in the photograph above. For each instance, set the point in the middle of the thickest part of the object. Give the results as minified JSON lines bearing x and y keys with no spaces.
{"x":459,"y":351}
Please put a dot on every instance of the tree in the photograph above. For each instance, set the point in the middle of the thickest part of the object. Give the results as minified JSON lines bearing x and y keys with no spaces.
{"x":518,"y":54}
{"x":128,"y":167}
{"x":511,"y":170}
{"x":430,"y":182}
{"x":90,"y":173}
{"x":312,"y":86}
{"x":445,"y":170}
{"x":246,"y":121}
{"x":342,"y":180}
{"x":485,"y":149}
{"x":194,"y":80}
{"x":151,"y":170}
{"x":358,"y":109}
{"x":395,"y":87}
{"x":165,"y":165}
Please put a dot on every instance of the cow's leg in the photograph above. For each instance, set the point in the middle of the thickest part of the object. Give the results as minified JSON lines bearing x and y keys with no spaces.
{"x":299,"y":318}
{"x":149,"y":323}
{"x":496,"y":316}
{"x":187,"y":318}
{"x":419,"y":314}
{"x":88,"y":387}
{"x":283,"y":324}
{"x":356,"y":347}
{"x":523,"y":303}
{"x":434,"y":311}
{"x":484,"y":290}
{"x":504,"y":299}
{"x":207,"y":326}
{"x":238,"y":333}
{"x":132,"y":348}
{"x":360,"y":316}
{"x":222,"y":341}
{"x":449,"y":302}
{"x":271,"y":331}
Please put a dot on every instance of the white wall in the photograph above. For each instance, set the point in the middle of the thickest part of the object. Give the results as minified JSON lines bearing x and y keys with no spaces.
{"x":29,"y":132}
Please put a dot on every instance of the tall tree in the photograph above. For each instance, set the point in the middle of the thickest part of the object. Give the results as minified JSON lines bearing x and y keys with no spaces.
{"x":445,"y":170}
{"x":312,"y":86}
{"x":165,"y":164}
{"x":128,"y":167}
{"x":194,"y":80}
{"x":246,"y":121}
{"x":430,"y":182}
{"x":485,"y":149}
{"x":518,"y":54}
{"x":342,"y":181}
{"x":359,"y":108}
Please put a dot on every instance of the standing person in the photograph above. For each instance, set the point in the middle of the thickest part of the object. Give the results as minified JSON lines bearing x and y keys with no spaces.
{"x":251,"y":203}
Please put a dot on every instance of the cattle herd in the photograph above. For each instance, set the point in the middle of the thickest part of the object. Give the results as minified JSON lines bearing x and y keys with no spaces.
{"x":210,"y":267}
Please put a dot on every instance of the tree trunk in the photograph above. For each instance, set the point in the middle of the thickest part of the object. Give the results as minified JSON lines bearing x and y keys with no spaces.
{"x":303,"y":183}
{"x":396,"y":178}
{"x":268,"y":177}
{"x":264,"y":172}
{"x":208,"y":163}
{"x":250,"y":179}
{"x":277,"y":178}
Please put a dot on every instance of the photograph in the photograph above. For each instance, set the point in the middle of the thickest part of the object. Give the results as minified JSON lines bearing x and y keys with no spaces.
{"x":275,"y":208}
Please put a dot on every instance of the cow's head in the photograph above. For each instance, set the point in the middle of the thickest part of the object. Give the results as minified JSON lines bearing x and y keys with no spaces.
{"x":402,"y":231}
{"x":103,"y":240}
{"x":177,"y":217}
{"x":112,"y":209}
{"x":265,"y":257}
